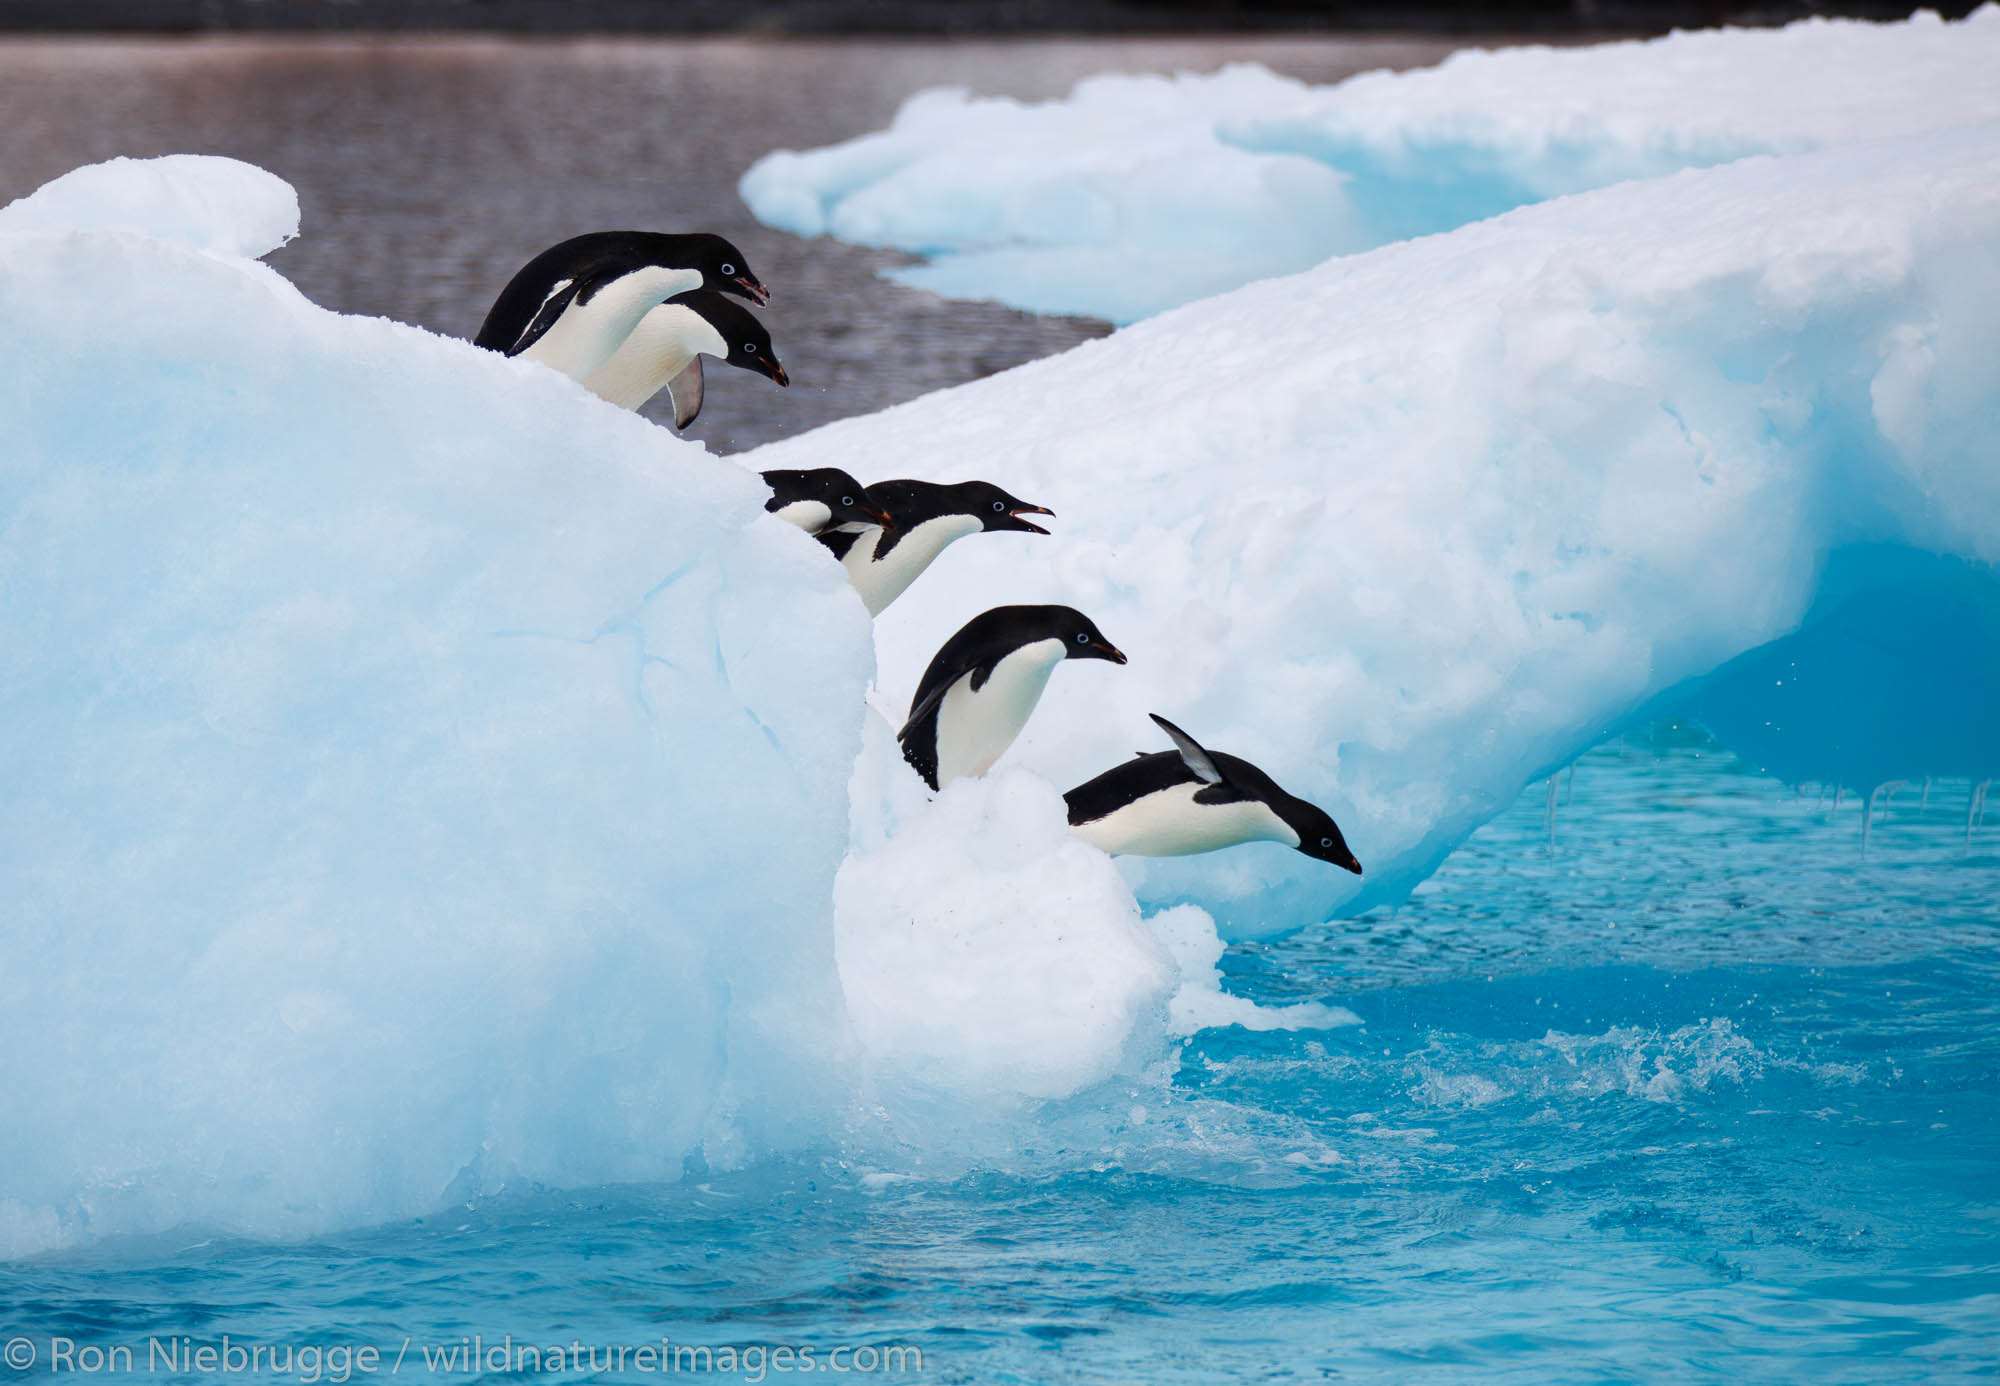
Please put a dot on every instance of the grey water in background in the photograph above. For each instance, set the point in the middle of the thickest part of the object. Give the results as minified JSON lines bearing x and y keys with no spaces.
{"x":429,"y":169}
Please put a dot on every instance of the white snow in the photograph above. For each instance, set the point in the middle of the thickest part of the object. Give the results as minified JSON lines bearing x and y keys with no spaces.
{"x":984,"y":950}
{"x":201,"y":201}
{"x":1421,"y":524}
{"x":1137,"y":193}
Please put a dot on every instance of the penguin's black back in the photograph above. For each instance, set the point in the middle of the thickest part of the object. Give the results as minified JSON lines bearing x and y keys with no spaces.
{"x":586,"y":261}
{"x":1150,"y":773}
{"x":909,"y":504}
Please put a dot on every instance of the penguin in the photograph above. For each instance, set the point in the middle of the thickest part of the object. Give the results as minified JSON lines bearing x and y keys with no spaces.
{"x":822,"y":498}
{"x":882,"y":563}
{"x":573,"y":305}
{"x":980,"y":687}
{"x":1187,"y":800}
{"x":666,"y":348}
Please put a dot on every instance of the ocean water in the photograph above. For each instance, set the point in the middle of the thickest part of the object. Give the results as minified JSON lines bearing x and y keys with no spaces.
{"x":1671,"y":1083}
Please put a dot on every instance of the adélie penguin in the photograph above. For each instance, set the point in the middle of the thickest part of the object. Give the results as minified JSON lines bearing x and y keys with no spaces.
{"x":574,"y":304}
{"x":980,"y":687}
{"x":666,"y":348}
{"x":882,"y":563}
{"x":821,"y":498}
{"x":1187,"y":800}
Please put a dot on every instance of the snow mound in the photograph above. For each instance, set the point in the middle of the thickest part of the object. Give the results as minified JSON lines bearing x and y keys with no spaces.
{"x":201,"y":201}
{"x":986,"y":953}
{"x":1138,"y":193}
{"x":406,"y":794}
{"x":1418,"y":526}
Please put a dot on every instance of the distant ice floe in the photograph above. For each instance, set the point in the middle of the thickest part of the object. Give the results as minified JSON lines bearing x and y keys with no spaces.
{"x":1138,"y":193}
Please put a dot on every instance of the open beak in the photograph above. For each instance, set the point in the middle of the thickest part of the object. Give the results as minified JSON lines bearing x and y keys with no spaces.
{"x":1029,"y":525}
{"x":1110,"y":652}
{"x":753,"y":289}
{"x":777,"y":373}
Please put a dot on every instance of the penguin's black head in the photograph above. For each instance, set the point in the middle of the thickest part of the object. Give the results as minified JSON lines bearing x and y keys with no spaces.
{"x":724,"y":269}
{"x":748,"y":344}
{"x":914,"y":502}
{"x":846,"y":500}
{"x":994,"y":508}
{"x":1081,"y":638}
{"x":1319,"y":836}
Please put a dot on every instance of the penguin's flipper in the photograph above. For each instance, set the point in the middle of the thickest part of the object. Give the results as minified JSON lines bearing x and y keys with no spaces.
{"x":1196,"y":758}
{"x":685,"y":389}
{"x":924,"y":706}
{"x":552,"y":307}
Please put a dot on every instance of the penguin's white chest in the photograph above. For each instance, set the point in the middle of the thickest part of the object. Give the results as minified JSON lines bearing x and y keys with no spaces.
{"x":587,"y":334}
{"x":1169,"y":823}
{"x":809,"y":515}
{"x":665,"y":341}
{"x":882,"y":580}
{"x":975,"y":728}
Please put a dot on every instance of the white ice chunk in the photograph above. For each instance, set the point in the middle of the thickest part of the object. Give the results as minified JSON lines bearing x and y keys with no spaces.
{"x":421,"y":777}
{"x":986,"y":954}
{"x":202,"y":201}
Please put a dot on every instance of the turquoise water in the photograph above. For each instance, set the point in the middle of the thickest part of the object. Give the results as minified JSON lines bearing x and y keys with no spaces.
{"x":1676,"y":1086}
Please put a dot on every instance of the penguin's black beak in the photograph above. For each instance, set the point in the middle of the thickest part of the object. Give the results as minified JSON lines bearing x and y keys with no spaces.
{"x":1013,"y":520}
{"x":771,"y":368}
{"x":880,"y":516}
{"x":752,"y":288}
{"x":1110,"y":652}
{"x":1350,"y":864}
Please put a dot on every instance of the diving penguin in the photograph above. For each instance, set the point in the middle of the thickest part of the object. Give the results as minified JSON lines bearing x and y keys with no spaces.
{"x":980,"y":687}
{"x":1187,"y":800}
{"x":822,"y":498}
{"x":882,"y":563}
{"x":666,"y":348}
{"x":573,"y":305}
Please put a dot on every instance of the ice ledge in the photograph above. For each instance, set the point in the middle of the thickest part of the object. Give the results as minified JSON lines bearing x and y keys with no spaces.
{"x":202,"y":201}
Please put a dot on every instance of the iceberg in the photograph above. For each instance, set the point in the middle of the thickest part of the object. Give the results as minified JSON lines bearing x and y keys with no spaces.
{"x":1139,"y":193}
{"x":406,"y":791}
{"x":427,"y":780}
{"x":1418,"y":526}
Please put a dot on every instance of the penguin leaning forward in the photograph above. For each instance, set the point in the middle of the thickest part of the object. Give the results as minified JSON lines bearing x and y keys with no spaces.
{"x":980,"y":687}
{"x":882,"y":563}
{"x":573,"y":305}
{"x":1187,"y":800}
{"x":665,"y":351}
